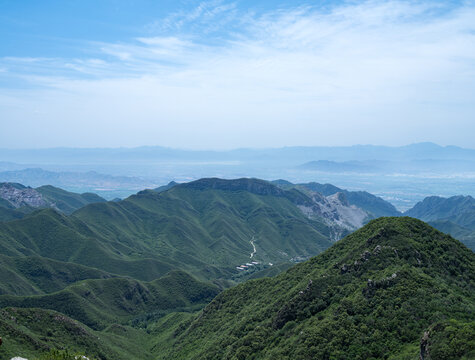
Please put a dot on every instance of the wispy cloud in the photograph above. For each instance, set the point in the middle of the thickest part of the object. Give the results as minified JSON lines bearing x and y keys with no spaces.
{"x":208,"y":16}
{"x":373,"y":71}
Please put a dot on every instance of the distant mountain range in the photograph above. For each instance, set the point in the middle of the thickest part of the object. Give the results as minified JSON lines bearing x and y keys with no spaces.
{"x":454,"y":215}
{"x":405,"y":166}
{"x":352,"y":209}
{"x":404,"y":175}
{"x":91,"y":181}
{"x":295,"y":155}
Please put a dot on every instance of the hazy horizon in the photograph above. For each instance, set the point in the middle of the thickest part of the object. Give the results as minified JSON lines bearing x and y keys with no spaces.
{"x":235,"y":148}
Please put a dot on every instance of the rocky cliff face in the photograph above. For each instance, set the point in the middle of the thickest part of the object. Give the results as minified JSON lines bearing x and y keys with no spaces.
{"x":335,"y":210}
{"x":19,"y":195}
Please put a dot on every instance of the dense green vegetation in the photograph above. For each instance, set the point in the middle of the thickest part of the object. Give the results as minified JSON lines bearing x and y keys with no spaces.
{"x":37,"y":333}
{"x":454,"y":215}
{"x":67,"y":201}
{"x":114,"y":265}
{"x":102,"y":318}
{"x":458,"y":209}
{"x":450,"y":339}
{"x":112,"y":280}
{"x":370,"y":296}
{"x":34,"y":275}
{"x":97,"y":303}
{"x":199,"y":227}
{"x":8,"y":213}
{"x":467,"y":236}
{"x":387,"y":291}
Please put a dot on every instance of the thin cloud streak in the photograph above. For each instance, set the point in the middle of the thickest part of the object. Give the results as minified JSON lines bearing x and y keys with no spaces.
{"x":373,"y":72}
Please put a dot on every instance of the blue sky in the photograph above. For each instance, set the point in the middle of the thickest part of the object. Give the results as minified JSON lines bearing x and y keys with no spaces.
{"x":226,"y":74}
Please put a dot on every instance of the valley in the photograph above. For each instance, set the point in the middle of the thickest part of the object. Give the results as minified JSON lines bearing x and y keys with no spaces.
{"x":149,"y":263}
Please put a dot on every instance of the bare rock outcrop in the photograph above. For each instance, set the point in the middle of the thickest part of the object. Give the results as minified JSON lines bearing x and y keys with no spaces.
{"x":18,"y":196}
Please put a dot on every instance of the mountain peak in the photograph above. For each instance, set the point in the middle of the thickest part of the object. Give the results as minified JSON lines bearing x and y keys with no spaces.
{"x":386,"y":281}
{"x":255,"y":186}
{"x":405,"y":240}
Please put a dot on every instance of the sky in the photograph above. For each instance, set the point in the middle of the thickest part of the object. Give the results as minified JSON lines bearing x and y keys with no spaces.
{"x":229,"y":74}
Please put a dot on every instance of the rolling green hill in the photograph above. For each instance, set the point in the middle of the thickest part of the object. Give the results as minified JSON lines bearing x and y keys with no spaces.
{"x":465,"y":235}
{"x":30,"y":333}
{"x":99,"y":302}
{"x":67,"y":201}
{"x":379,"y":293}
{"x":121,"y":263}
{"x":457,"y":209}
{"x":9,"y":213}
{"x":126,"y":279}
{"x":211,"y":223}
{"x":35,"y":275}
{"x":101,"y":317}
{"x":207,"y":227}
{"x":454,"y":215}
{"x":390,"y":290}
{"x":17,"y":200}
{"x":51,"y":235}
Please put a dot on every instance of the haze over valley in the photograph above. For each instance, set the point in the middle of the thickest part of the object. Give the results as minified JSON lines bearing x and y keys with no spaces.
{"x":401,"y":175}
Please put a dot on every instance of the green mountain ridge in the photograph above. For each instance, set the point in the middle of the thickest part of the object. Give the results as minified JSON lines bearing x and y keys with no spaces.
{"x":17,"y":200}
{"x":454,"y":215}
{"x":99,"y":302}
{"x":465,"y":235}
{"x":372,"y":295}
{"x":107,"y":263}
{"x":457,"y":209}
{"x":52,"y":235}
{"x":34,"y":275}
{"x":390,"y":290}
{"x":31,"y":332}
{"x":213,"y":224}
{"x":111,"y":308}
{"x":66,"y":201}
{"x":124,"y":280}
{"x":194,"y":227}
